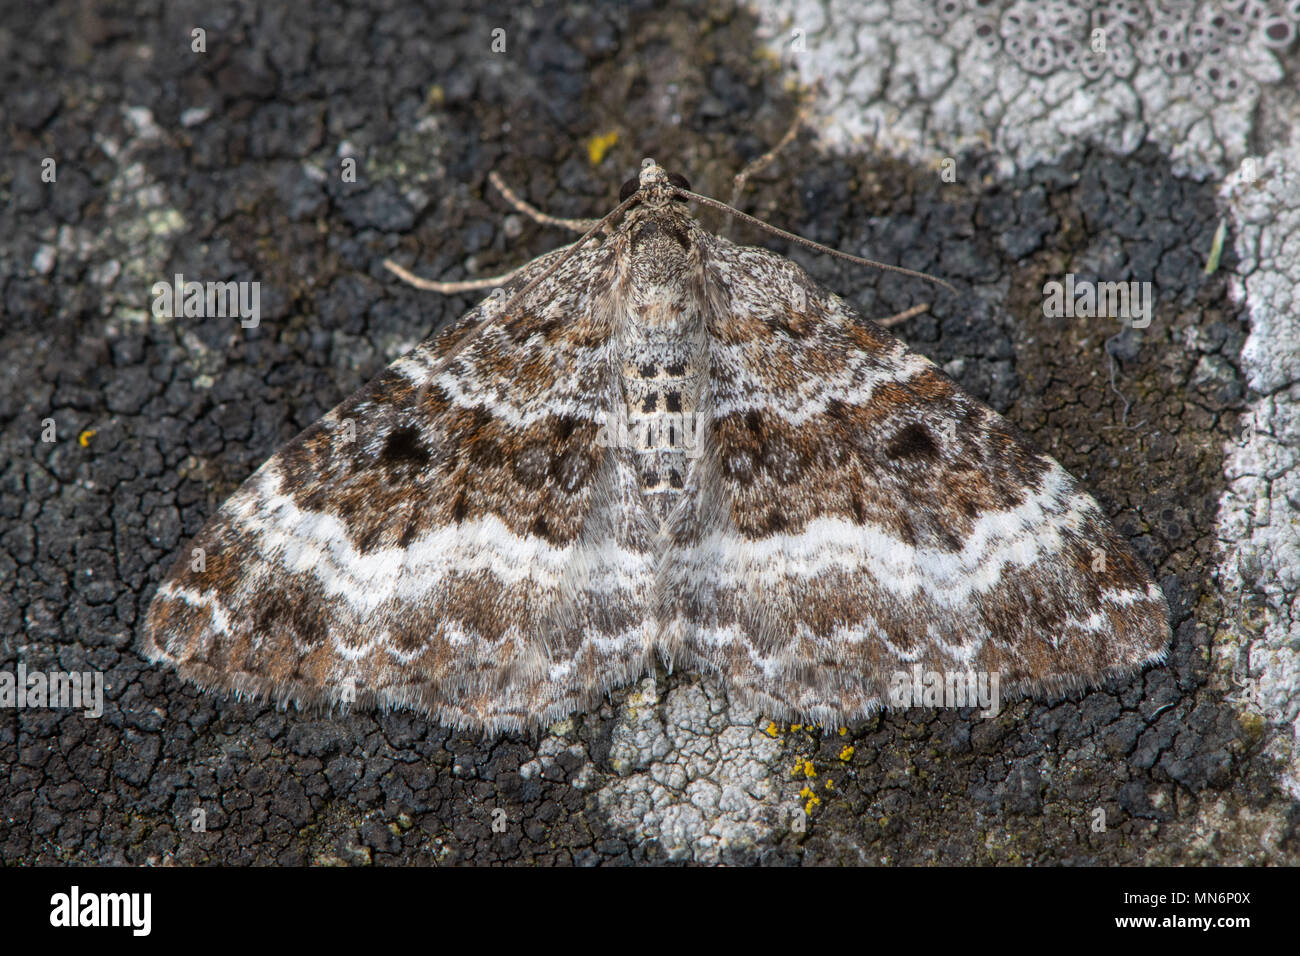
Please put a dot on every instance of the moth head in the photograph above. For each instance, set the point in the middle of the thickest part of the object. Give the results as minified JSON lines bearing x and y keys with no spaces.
{"x":654,"y":183}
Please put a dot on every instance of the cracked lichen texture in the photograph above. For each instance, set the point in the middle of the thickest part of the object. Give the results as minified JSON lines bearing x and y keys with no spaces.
{"x":695,"y":775}
{"x":1260,"y":518}
{"x":924,"y":77}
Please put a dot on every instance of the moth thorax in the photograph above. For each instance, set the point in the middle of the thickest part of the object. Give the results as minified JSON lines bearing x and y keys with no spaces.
{"x":661,"y":253}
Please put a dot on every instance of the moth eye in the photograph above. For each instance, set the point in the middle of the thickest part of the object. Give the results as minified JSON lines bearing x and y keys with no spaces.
{"x":680,"y":181}
{"x":629,"y":187}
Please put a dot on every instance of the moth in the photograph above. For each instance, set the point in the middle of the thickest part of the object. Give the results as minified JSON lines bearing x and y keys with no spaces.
{"x":661,"y":445}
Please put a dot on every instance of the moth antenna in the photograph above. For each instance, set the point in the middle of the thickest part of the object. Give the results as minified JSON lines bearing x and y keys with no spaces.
{"x":473,"y":333}
{"x":532,"y":212}
{"x":809,"y":244}
{"x":469,"y":334}
{"x":449,"y":288}
{"x":758,"y":165}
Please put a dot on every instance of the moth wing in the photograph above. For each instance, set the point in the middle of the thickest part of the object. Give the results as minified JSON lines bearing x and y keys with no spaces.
{"x":446,"y":539}
{"x":858,"y":514}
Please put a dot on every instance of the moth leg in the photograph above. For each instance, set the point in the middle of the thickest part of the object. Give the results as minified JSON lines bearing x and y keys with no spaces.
{"x":902,"y":316}
{"x":450,"y":288}
{"x":758,"y":165}
{"x":532,"y":212}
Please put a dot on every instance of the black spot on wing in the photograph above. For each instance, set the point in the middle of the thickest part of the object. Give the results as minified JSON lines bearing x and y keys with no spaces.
{"x":913,"y":441}
{"x":404,"y":447}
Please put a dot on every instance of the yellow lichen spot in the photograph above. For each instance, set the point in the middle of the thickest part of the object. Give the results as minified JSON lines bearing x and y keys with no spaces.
{"x":1252,"y":723}
{"x":598,"y":146}
{"x":770,"y":729}
{"x":797,"y":768}
{"x":847,"y":753}
{"x":795,"y":728}
{"x":84,"y":438}
{"x":810,"y":800}
{"x":830,"y":784}
{"x":808,"y":770}
{"x":844,"y":731}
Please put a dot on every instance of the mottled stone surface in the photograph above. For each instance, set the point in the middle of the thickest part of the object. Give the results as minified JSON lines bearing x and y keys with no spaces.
{"x":226,"y":165}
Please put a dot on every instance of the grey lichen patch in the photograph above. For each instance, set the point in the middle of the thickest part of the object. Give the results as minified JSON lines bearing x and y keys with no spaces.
{"x":416,"y":159}
{"x":696,"y":780}
{"x":1260,"y":513}
{"x":115,"y":225}
{"x":141,"y":224}
{"x":555,"y":752}
{"x":1249,"y":836}
{"x":1025,"y":77}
